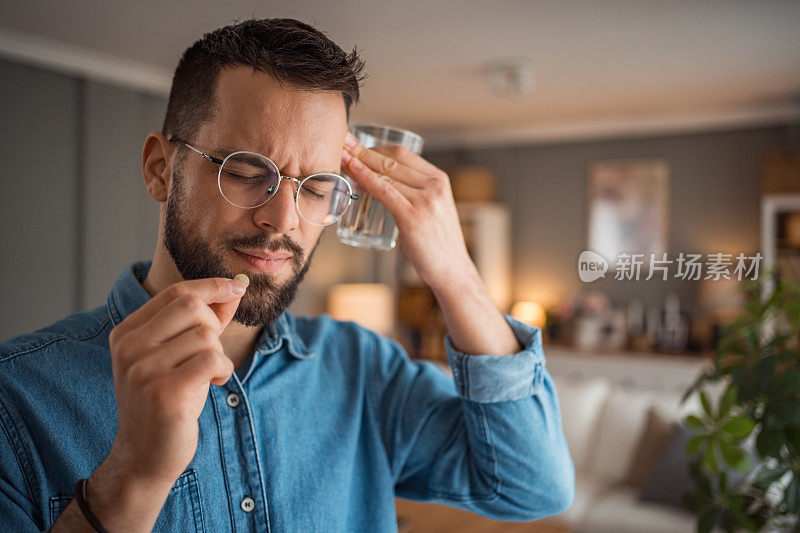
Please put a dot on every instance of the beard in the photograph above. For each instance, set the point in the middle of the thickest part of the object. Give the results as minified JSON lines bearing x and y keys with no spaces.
{"x":265,"y":300}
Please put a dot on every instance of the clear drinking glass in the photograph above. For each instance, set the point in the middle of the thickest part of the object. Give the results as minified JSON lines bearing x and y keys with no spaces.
{"x":367,"y":223}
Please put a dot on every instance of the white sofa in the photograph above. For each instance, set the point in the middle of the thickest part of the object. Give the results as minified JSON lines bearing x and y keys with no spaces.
{"x":604,"y":402}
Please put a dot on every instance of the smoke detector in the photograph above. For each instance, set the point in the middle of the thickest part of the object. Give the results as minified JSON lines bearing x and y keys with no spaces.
{"x":510,"y":76}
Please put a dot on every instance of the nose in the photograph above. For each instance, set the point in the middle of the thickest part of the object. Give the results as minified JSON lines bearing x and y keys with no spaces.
{"x":280,"y":211}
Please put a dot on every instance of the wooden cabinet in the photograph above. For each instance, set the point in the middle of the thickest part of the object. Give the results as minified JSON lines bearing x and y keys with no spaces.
{"x":780,"y":234}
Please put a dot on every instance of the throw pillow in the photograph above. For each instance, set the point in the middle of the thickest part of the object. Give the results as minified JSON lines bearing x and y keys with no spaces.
{"x":669,"y":478}
{"x":653,"y":441}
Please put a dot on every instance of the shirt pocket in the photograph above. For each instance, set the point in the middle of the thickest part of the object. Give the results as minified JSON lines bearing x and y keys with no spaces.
{"x":181,"y":511}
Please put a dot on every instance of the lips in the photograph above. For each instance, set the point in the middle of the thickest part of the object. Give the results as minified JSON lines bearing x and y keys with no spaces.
{"x":265,"y":255}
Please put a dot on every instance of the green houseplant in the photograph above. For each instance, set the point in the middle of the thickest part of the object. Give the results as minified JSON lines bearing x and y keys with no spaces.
{"x":745,"y":449}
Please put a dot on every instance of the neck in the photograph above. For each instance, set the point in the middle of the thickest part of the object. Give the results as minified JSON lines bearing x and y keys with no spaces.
{"x":237,"y":340}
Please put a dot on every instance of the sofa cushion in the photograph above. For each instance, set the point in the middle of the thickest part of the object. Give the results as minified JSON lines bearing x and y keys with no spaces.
{"x":621,"y":423}
{"x":581,"y":404}
{"x":670,"y":478}
{"x":651,"y":444}
{"x":621,"y":511}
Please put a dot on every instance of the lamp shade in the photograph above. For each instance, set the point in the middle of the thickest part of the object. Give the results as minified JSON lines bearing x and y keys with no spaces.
{"x":531,"y":313}
{"x":370,"y":305}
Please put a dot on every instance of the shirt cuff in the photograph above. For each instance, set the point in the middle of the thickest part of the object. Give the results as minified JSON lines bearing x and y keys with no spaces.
{"x":498,"y":378}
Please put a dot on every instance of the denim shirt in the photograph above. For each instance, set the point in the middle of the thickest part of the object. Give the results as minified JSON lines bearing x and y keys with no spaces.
{"x":323,"y":425}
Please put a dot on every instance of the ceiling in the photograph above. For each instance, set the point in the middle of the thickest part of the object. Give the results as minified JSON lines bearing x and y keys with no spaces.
{"x":600,"y":67}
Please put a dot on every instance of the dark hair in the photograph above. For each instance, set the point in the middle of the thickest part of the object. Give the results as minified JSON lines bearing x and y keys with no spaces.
{"x":293,"y":52}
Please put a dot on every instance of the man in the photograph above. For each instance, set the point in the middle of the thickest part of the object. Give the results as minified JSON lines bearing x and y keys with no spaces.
{"x":189,"y":404}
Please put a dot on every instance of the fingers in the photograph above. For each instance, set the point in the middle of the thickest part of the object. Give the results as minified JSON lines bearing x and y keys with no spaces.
{"x":180,"y":315}
{"x":410,"y":159}
{"x":393,"y":194}
{"x":179,"y":349}
{"x":208,"y":366}
{"x":219,"y":293}
{"x":366,"y":173}
{"x":382,"y":163}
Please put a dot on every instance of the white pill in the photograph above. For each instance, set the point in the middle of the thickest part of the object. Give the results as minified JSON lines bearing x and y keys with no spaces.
{"x":243,"y":279}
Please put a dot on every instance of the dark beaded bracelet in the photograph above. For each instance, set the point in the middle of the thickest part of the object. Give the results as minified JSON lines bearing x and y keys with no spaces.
{"x":80,"y":497}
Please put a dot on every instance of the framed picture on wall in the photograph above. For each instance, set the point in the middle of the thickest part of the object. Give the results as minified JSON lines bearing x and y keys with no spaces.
{"x":628,"y":207}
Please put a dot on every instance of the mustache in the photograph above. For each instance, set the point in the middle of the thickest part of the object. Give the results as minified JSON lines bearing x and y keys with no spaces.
{"x":262,"y":242}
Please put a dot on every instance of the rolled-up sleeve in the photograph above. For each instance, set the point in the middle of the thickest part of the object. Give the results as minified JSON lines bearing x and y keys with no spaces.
{"x":494,"y":378}
{"x":488,"y":440}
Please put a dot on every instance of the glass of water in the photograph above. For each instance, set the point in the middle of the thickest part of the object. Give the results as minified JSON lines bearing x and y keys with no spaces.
{"x":367,"y":223}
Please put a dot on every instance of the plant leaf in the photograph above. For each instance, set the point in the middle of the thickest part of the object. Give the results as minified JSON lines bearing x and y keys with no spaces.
{"x":786,"y":384}
{"x":704,"y":376}
{"x":727,"y":400}
{"x":786,"y":413}
{"x":768,"y":442}
{"x":707,"y":519}
{"x":732,"y":455}
{"x":792,"y":496}
{"x":768,"y":476}
{"x":695,"y":443}
{"x":706,"y":404}
{"x":695,"y":500}
{"x":710,"y":456}
{"x":742,"y":519}
{"x":739,"y":427}
{"x":695,"y":422}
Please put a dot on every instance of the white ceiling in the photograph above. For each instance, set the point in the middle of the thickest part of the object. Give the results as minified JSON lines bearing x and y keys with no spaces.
{"x":601,"y":66}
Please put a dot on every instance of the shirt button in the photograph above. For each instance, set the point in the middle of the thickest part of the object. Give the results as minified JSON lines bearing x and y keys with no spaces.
{"x":248,"y":504}
{"x":233,"y":399}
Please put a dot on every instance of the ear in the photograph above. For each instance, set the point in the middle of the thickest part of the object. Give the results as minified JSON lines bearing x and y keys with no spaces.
{"x":157,"y":159}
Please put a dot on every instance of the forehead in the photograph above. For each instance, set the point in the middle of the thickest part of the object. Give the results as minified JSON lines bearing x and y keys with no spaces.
{"x":253,"y":111}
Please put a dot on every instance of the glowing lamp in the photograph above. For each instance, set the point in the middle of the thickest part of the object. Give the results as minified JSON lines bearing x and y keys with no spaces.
{"x":370,"y":305}
{"x":531,"y":313}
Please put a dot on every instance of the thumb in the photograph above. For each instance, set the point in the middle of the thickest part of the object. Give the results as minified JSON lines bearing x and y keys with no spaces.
{"x":226,"y":310}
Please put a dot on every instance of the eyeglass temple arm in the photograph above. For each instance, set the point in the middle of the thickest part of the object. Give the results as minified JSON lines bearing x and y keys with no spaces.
{"x":209,"y":157}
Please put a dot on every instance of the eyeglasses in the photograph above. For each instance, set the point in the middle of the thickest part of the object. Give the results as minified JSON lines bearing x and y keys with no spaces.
{"x":249,"y":179}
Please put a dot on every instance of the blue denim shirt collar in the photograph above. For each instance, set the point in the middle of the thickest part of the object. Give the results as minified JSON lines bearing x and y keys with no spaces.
{"x":128,"y":295}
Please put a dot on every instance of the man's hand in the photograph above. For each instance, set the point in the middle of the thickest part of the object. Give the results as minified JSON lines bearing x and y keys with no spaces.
{"x":163,"y":357}
{"x":419,"y":196}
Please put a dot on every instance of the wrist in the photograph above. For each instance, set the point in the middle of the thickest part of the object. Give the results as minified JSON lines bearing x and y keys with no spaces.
{"x":123,"y":500}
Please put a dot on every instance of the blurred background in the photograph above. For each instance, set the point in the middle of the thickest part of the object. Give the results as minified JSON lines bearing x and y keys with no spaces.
{"x":613,"y":126}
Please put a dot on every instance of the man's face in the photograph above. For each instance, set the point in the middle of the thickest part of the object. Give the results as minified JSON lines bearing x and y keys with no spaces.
{"x":302,"y":132}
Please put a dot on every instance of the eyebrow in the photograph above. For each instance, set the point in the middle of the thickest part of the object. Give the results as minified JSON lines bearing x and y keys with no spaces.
{"x":223,"y":153}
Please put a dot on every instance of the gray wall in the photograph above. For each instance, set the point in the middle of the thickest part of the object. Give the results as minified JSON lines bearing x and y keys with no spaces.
{"x":714,"y":203}
{"x":74,"y":207}
{"x":39,"y":218}
{"x":120,"y":218}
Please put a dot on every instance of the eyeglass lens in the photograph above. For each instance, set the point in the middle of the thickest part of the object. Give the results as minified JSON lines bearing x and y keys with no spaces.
{"x":249,"y":180}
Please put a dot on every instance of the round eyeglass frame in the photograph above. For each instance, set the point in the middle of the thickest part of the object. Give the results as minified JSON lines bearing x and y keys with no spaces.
{"x":220,"y":162}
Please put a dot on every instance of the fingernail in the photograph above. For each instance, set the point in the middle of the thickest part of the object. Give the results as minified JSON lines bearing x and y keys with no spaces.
{"x":346,"y":156}
{"x":237,"y":287}
{"x":356,"y":163}
{"x":350,"y":140}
